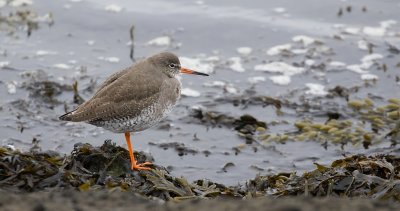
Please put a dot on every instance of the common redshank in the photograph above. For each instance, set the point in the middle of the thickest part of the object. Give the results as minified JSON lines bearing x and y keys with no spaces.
{"x":134,"y":99}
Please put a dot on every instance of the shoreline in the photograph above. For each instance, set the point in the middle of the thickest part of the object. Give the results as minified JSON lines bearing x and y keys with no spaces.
{"x":90,"y":169}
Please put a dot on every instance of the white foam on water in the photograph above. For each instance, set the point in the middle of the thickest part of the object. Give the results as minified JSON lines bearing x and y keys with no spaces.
{"x":214,"y":84}
{"x":357,"y":69}
{"x":2,"y":3}
{"x":113,"y":8}
{"x":109,"y":59}
{"x":160,"y":41}
{"x":374,"y":31}
{"x":337,"y":64}
{"x":10,"y":146}
{"x":281,"y":79}
{"x":244,"y":51}
{"x":338,"y":26}
{"x":387,"y":23}
{"x":299,"y":51}
{"x":362,"y":44}
{"x":369,"y":77}
{"x":366,"y":62}
{"x":45,"y":53}
{"x":305,"y":40}
{"x":212,"y":59}
{"x":46,"y":18}
{"x":62,"y":66}
{"x":204,"y":65}
{"x":309,"y":62}
{"x":4,"y":64}
{"x":231,"y":89}
{"x":91,"y":42}
{"x":12,"y":87}
{"x":371,"y":58}
{"x":256,"y":79}
{"x":316,"y":89}
{"x":72,"y":61}
{"x":279,"y":9}
{"x":276,"y":50}
{"x":352,"y":30}
{"x":199,"y":2}
{"x":188,"y":92}
{"x":279,"y":67}
{"x":18,"y":3}
{"x":235,"y":64}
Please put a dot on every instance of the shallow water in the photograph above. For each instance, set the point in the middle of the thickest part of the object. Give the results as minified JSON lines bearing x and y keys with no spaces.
{"x":86,"y":35}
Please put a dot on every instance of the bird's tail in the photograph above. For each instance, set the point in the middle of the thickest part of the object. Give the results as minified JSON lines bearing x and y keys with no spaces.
{"x":66,"y":117}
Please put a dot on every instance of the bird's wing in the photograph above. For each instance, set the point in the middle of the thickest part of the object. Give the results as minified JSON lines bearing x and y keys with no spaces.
{"x":123,"y":96}
{"x":111,"y":79}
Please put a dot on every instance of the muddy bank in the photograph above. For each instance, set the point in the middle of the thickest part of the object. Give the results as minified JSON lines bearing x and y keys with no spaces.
{"x":102,"y":200}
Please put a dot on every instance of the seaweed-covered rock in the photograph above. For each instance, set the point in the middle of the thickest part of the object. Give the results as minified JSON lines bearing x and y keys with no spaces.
{"x":107,"y":167}
{"x":356,"y":176}
{"x":91,"y":168}
{"x":27,"y":171}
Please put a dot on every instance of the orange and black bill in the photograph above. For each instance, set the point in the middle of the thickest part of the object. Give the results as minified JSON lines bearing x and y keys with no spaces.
{"x":188,"y":71}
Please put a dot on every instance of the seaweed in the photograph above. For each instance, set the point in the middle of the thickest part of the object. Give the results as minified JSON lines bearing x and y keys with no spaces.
{"x":107,"y":167}
{"x":361,"y":122}
{"x":46,"y":91}
{"x":12,"y":22}
{"x":374,"y":177}
{"x":77,"y":98}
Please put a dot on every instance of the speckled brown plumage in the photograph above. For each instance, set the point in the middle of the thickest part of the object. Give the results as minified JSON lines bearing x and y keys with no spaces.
{"x":134,"y":99}
{"x":127,"y":94}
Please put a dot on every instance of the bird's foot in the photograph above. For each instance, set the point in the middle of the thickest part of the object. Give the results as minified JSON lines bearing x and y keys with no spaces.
{"x":141,"y":166}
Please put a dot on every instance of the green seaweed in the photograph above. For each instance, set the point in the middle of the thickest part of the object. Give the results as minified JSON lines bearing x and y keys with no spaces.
{"x":369,"y":124}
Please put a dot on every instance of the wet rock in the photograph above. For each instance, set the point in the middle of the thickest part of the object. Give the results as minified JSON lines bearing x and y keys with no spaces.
{"x":340,"y":91}
{"x":226,"y":167}
{"x":46,"y":91}
{"x":179,"y":147}
{"x":246,"y":125}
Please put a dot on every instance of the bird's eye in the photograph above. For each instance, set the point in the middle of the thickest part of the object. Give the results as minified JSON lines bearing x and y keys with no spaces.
{"x":172,"y":65}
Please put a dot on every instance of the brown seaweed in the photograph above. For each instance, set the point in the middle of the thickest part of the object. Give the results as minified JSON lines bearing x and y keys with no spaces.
{"x":107,"y":167}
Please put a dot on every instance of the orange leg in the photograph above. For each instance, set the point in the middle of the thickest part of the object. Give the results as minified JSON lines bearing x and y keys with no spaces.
{"x":134,"y":165}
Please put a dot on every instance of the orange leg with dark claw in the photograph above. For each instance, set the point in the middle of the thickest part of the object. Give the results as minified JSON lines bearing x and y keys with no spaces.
{"x":134,"y":165}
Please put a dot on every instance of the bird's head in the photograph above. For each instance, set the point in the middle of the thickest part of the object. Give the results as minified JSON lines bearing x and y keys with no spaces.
{"x":170,"y":65}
